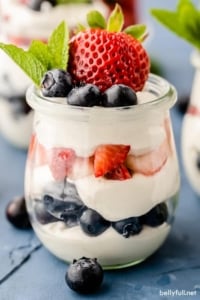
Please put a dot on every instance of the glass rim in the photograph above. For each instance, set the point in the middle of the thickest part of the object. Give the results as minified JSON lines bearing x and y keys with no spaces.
{"x":165,"y":100}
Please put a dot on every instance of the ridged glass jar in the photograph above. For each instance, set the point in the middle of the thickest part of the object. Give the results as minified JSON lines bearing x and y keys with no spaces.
{"x":103,"y":182}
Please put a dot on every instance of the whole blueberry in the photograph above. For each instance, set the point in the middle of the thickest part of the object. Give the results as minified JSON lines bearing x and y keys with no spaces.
{"x":93,"y":223}
{"x":36,"y":4}
{"x":128,"y":227}
{"x":17,"y":214}
{"x":19,"y":105}
{"x":85,"y":95}
{"x":156,"y":216}
{"x":119,"y":95}
{"x":56,"y":83}
{"x":84,"y":275}
{"x":42,"y":215}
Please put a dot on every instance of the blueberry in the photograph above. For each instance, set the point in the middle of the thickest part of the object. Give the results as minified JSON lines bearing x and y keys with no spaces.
{"x":93,"y":223}
{"x":36,"y":4}
{"x":156,"y":216}
{"x":56,"y":83}
{"x":198,"y":161}
{"x":183,"y":103}
{"x":84,"y":275}
{"x":128,"y":227}
{"x":17,"y":214}
{"x":42,"y":215}
{"x":19,"y":105}
{"x":86,"y":95}
{"x":119,"y":95}
{"x":67,"y":211}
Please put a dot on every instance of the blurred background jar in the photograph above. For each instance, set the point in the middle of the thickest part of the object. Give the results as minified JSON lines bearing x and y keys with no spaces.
{"x":21,"y":22}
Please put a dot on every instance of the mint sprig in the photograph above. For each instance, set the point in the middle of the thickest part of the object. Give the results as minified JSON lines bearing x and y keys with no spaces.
{"x":184,"y":21}
{"x":41,"y":57}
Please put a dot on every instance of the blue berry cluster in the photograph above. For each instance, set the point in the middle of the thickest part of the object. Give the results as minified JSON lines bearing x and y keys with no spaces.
{"x":72,"y":211}
{"x":58,"y":83}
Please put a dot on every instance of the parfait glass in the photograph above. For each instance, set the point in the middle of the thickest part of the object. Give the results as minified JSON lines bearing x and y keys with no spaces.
{"x":76,"y":208}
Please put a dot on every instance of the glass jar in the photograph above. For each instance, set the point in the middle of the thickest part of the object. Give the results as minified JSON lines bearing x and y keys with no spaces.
{"x":191,"y":130}
{"x":103,"y":182}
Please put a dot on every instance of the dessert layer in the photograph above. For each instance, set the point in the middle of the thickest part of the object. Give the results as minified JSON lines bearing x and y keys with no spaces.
{"x":110,"y":247}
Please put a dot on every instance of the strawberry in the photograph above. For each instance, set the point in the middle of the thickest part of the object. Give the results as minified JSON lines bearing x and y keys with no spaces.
{"x":149,"y":163}
{"x":60,"y":161}
{"x":37,"y":153}
{"x":106,"y":56}
{"x":109,"y":157}
{"x":120,"y":173}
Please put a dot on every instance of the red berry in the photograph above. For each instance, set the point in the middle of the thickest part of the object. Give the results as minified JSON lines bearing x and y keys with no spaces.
{"x":105,"y":58}
{"x":151,"y":162}
{"x":109,"y":157}
{"x":37,"y":153}
{"x":120,"y":173}
{"x":60,"y":161}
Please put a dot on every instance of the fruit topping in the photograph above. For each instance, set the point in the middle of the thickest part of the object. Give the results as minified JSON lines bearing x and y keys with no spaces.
{"x":93,"y":223}
{"x":128,"y":227}
{"x":86,"y":95}
{"x":17,"y":214}
{"x":120,"y":173}
{"x":104,"y":56}
{"x":84,"y":275}
{"x":60,"y":162}
{"x":156,"y":216}
{"x":56,"y":83}
{"x":119,"y":95}
{"x":109,"y":157}
{"x":149,"y":163}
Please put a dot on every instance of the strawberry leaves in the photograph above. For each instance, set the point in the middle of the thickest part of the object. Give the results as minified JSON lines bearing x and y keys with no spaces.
{"x":184,"y":21}
{"x":41,"y":57}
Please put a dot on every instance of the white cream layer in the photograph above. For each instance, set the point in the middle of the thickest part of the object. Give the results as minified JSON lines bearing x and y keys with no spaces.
{"x":110,"y":247}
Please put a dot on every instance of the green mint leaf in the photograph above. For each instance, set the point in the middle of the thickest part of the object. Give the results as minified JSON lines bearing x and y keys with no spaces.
{"x":58,"y":46}
{"x":96,"y":20}
{"x":40,"y":51}
{"x":184,"y":21}
{"x":30,"y":64}
{"x":138,"y":31}
{"x":116,"y":20}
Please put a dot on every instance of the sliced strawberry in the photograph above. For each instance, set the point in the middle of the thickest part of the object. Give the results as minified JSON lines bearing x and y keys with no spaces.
{"x":82,"y":167}
{"x":37,"y":153}
{"x":150,"y":163}
{"x":120,"y":173}
{"x":60,"y":161}
{"x":109,"y":157}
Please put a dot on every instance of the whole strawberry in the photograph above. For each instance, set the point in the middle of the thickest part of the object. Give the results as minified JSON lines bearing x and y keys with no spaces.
{"x":104,"y":56}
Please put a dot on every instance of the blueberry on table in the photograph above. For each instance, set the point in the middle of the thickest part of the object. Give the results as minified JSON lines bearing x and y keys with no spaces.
{"x":17,"y":214}
{"x":84,"y":275}
{"x":119,"y":95}
{"x":86,"y":95}
{"x":56,"y":83}
{"x":128,"y":227}
{"x":93,"y":223}
{"x":156,"y":216}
